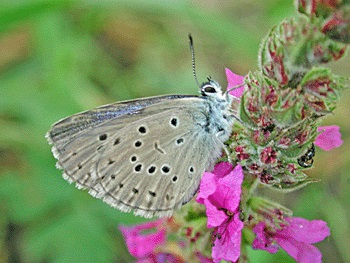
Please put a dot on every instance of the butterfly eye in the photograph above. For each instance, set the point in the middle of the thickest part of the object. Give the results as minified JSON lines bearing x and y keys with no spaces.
{"x":208,"y":89}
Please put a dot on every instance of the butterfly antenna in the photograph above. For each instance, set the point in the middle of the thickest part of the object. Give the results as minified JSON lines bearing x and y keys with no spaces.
{"x":193,"y":60}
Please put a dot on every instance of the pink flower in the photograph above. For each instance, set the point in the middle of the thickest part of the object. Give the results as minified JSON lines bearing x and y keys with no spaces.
{"x":234,"y":80}
{"x":329,"y":138}
{"x":142,"y":244}
{"x":295,"y":238}
{"x":220,"y":192}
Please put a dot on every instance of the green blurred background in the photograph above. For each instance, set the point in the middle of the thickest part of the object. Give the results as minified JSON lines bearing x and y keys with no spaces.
{"x":61,"y":57}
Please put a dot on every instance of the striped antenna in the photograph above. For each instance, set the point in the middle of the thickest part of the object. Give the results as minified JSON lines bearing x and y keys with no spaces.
{"x":193,"y":60}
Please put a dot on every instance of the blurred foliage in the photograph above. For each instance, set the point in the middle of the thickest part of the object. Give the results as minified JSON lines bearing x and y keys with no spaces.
{"x":61,"y":57}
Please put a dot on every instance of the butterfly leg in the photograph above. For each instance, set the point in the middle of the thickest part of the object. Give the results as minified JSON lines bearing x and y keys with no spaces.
{"x":227,"y":152}
{"x":234,"y":115}
{"x":224,"y":146}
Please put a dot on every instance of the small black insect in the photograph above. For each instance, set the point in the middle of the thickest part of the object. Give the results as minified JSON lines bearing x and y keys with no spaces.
{"x":307,"y":160}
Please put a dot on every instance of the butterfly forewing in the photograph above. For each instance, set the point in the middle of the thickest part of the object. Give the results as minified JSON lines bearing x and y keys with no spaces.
{"x":67,"y":129}
{"x":148,"y":157}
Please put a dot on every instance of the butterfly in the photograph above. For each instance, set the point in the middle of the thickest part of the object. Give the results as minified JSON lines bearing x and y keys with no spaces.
{"x":145,"y":155}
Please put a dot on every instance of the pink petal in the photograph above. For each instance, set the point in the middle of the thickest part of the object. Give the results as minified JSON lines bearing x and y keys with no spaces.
{"x":234,"y":80}
{"x":220,"y":193}
{"x":303,"y":230}
{"x":235,"y":231}
{"x":301,"y":252}
{"x":294,"y":238}
{"x":229,"y":188}
{"x":222,"y":169}
{"x":329,"y":138}
{"x":207,"y":187}
{"x":228,"y":247}
{"x":228,"y":191}
{"x":140,"y":244}
{"x":262,"y":240}
{"x":215,"y":216}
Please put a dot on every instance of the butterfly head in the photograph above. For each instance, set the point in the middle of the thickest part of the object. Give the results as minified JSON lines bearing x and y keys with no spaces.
{"x":211,"y":88}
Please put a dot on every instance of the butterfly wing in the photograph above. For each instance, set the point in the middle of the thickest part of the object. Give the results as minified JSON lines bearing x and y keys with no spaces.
{"x":149,"y":159}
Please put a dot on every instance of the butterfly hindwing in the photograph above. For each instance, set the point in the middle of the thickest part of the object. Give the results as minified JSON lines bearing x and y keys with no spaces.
{"x":156,"y":171}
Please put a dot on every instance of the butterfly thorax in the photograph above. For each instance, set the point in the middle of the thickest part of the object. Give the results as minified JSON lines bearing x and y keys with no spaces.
{"x":220,"y":117}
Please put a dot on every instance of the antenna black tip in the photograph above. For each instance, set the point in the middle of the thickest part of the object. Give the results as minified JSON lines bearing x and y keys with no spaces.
{"x":191,"y":39}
